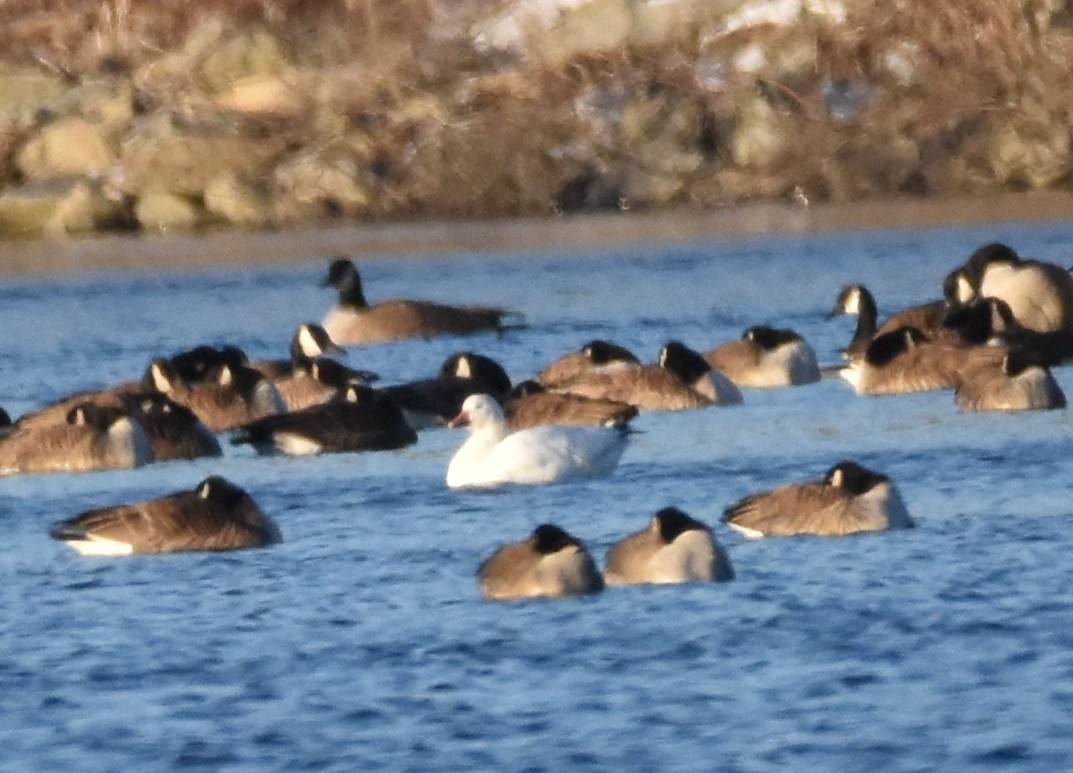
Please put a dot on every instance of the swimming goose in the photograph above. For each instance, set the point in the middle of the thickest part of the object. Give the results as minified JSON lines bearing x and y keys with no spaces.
{"x":849,"y":499}
{"x":682,"y":380}
{"x":91,"y":437}
{"x":1039,"y":294}
{"x":530,"y":405}
{"x":310,"y":340}
{"x":549,"y":564}
{"x":217,"y":515}
{"x":434,"y":402}
{"x":227,"y":397}
{"x":1018,"y":383}
{"x":492,"y":455}
{"x":361,"y":419}
{"x":766,"y":357}
{"x":856,"y":299}
{"x":673,"y":548}
{"x":905,"y":360}
{"x":354,"y":321}
{"x":595,"y":355}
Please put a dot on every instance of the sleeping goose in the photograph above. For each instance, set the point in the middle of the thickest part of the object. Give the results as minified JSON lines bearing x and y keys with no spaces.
{"x":531,"y":405}
{"x":173,"y":430}
{"x":549,"y":564}
{"x":766,"y":357}
{"x":905,"y":360}
{"x":1018,"y":383}
{"x":227,"y":397}
{"x":355,"y":321}
{"x":217,"y":515}
{"x":672,"y":548}
{"x":433,"y":402}
{"x":595,"y":355}
{"x":361,"y":419}
{"x":492,"y":455}
{"x":1039,"y":294}
{"x":682,"y":380}
{"x":91,"y":437}
{"x":849,"y":499}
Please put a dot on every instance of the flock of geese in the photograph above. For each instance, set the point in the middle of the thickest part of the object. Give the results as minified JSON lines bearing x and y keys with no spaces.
{"x":1000,"y":325}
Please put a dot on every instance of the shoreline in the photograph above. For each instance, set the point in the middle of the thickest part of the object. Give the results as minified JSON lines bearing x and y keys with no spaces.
{"x":426,"y":239}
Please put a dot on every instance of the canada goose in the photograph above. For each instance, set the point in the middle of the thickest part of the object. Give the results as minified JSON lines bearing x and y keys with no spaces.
{"x":199,"y":363}
{"x":530,"y":405}
{"x":434,"y":402}
{"x":856,"y":299}
{"x":766,"y":357}
{"x":227,"y":397}
{"x":1040,"y":295}
{"x":361,"y":419}
{"x":217,"y":515}
{"x":91,"y":437}
{"x":549,"y":564}
{"x":905,"y":360}
{"x":354,"y":321}
{"x":1018,"y":383}
{"x":595,"y":355}
{"x":493,"y":456}
{"x":849,"y":499}
{"x":310,"y":340}
{"x":682,"y":380}
{"x":673,"y":548}
{"x":174,"y":431}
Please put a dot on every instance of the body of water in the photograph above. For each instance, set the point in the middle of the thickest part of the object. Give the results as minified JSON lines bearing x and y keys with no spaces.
{"x":362,"y":643}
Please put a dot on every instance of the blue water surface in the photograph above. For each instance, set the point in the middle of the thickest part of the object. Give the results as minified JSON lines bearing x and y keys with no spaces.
{"x":361,"y":642}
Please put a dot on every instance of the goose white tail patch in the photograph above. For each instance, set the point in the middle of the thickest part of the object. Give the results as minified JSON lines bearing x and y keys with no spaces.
{"x":852,"y":374}
{"x":296,"y":445}
{"x":98,"y":546}
{"x":745,"y":531}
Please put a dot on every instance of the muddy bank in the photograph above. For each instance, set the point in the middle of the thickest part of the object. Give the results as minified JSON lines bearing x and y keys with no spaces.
{"x":431,"y":238}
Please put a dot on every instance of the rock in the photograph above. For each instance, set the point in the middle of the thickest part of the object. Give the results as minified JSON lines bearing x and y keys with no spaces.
{"x":312,"y":186}
{"x":253,"y":53}
{"x":760,"y":138}
{"x":164,"y":211}
{"x":269,"y":96}
{"x":599,"y":25}
{"x":1035,"y":154}
{"x":229,"y":199}
{"x":25,"y":92}
{"x":54,"y":208}
{"x":70,"y":147}
{"x":186,"y":164}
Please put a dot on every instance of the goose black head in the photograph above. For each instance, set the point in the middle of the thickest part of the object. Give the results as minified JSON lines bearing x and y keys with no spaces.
{"x":991,"y":254}
{"x":886,"y":347}
{"x":672,"y":522}
{"x":312,"y":340}
{"x":684,"y":362}
{"x":602,"y":353}
{"x":93,"y":415}
{"x":485,"y":371}
{"x":768,"y":338}
{"x":343,"y":276}
{"x":853,"y":478}
{"x":548,"y":538}
{"x":854,"y":299}
{"x":526,"y":388}
{"x":220,"y":491}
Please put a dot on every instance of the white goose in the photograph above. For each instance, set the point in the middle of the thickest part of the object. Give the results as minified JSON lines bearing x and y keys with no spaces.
{"x":492,"y":455}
